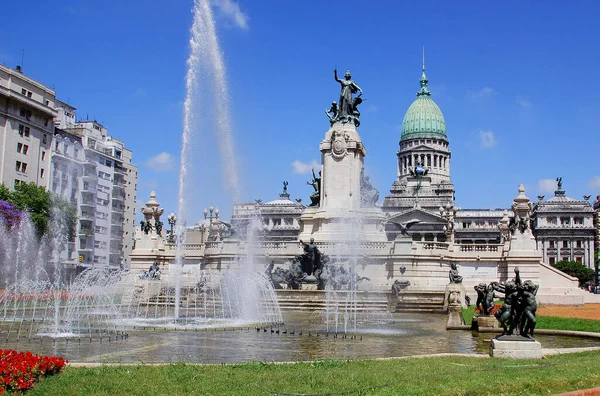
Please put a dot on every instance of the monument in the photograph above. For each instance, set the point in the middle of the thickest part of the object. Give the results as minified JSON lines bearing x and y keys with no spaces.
{"x":517,"y":317}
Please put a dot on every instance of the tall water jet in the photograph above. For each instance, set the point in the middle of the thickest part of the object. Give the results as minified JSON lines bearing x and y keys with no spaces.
{"x":207,"y":69}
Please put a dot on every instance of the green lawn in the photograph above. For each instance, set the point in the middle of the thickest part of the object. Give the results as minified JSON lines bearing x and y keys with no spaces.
{"x":550,"y":322}
{"x":413,"y":376}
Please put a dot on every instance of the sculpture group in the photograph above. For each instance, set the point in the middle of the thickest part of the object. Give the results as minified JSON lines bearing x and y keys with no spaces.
{"x":517,"y":315}
{"x":347,"y":108}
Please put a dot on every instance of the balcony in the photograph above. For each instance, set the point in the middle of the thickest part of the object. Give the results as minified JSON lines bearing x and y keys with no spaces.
{"x":88,"y":203}
{"x":86,"y":232}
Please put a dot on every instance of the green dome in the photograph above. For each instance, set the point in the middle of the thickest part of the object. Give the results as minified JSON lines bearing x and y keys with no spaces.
{"x":423,"y":118}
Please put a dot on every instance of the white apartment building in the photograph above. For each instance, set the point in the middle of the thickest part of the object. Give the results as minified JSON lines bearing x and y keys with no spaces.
{"x":26,"y":129}
{"x":131,"y":177}
{"x":106,"y":213}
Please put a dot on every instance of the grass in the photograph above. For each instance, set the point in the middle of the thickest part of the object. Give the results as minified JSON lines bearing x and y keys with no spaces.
{"x":413,"y":376}
{"x":550,"y":322}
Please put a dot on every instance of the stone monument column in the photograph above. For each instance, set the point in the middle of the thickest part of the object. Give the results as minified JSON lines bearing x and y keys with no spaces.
{"x":342,"y":155}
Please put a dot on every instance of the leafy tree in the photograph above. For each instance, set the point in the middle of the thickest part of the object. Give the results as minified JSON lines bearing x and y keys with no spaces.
{"x":35,"y":200}
{"x":41,"y":205}
{"x":578,"y":270}
{"x":67,"y":212}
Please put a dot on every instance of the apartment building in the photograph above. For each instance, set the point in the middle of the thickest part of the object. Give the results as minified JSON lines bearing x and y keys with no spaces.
{"x":26,"y":129}
{"x":105,"y":210}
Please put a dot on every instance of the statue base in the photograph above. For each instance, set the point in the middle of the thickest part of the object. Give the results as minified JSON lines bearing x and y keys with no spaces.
{"x":454,"y":295}
{"x":485,"y":323}
{"x":309,"y":283}
{"x":514,"y":346}
{"x":455,"y":317}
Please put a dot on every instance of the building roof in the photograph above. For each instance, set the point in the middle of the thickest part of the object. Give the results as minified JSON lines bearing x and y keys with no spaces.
{"x":424,"y":119}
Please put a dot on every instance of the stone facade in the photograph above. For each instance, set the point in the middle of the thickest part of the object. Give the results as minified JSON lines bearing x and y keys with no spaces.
{"x":564,"y":229}
{"x":415,"y":236}
{"x":27,"y":126}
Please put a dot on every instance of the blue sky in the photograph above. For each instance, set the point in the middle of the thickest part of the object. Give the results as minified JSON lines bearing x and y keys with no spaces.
{"x":516,"y":82}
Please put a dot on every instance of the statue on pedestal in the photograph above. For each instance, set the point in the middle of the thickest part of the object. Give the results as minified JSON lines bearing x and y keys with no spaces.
{"x":520,"y":305}
{"x":347,"y":108}
{"x":453,"y":274}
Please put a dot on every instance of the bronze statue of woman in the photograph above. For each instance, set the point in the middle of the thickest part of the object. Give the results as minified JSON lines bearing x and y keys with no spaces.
{"x":349,"y":87}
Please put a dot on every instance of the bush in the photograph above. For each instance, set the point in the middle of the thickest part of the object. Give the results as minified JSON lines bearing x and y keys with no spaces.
{"x":578,"y":270}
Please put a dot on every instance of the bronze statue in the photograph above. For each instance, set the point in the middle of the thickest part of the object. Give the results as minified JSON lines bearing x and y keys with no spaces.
{"x":312,"y":254}
{"x":485,"y":297}
{"x":347,"y":108}
{"x":332,"y":113}
{"x":315,"y":197}
{"x":453,"y":274}
{"x":285,"y":184}
{"x":518,"y":311}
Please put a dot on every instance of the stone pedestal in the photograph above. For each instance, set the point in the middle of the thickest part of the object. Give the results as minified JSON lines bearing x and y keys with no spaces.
{"x":485,"y":323}
{"x":454,"y":295}
{"x":513,"y":346}
{"x":455,"y":318}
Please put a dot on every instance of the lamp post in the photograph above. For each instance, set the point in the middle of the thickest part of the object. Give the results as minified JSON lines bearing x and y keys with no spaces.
{"x":211,"y":213}
{"x":172,"y":219}
{"x":449,"y":213}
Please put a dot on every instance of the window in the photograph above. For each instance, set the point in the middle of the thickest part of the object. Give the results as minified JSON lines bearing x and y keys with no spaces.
{"x":18,"y":182}
{"x":578,"y":220}
{"x":21,"y":129}
{"x":43,"y":155}
{"x":578,"y":259}
{"x":551,"y":244}
{"x":25,"y":113}
{"x":552,"y":260}
{"x":565,"y":220}
{"x":23,"y":91}
{"x":578,"y":244}
{"x":45,"y":139}
{"x":42,"y":173}
{"x":29,"y":93}
{"x":22,"y":148}
{"x":21,"y":167}
{"x":565,"y":244}
{"x":46,"y":122}
{"x":27,"y":130}
{"x":551,"y":220}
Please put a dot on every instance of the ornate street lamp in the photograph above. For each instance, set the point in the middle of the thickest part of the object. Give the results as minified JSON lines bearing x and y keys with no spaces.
{"x":211,"y":213}
{"x":172,"y":219}
{"x":449,"y":213}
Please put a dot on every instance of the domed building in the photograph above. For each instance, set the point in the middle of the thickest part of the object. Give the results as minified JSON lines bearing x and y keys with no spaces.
{"x":423,"y":184}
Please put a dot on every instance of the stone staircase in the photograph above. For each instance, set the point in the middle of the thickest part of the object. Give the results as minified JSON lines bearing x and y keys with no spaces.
{"x":417,"y":301}
{"x":316,"y":300}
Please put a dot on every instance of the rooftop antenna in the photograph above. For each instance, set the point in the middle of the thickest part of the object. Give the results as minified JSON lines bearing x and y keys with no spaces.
{"x":423,"y":58}
{"x":22,"y":56}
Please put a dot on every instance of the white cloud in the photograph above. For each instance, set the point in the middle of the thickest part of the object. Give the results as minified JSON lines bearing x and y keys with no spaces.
{"x":302,"y":168}
{"x":487,"y":139}
{"x":482,"y":93}
{"x":231,"y":10}
{"x":161,"y":162}
{"x":546,"y":185}
{"x":595,"y":182}
{"x":524,"y":103}
{"x":372,"y":108}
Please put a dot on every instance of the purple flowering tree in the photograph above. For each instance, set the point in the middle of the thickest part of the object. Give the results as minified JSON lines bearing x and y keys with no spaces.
{"x":9,"y":213}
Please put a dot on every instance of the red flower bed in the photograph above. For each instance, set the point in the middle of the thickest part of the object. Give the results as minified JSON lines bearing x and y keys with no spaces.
{"x":20,"y":370}
{"x":492,"y":312}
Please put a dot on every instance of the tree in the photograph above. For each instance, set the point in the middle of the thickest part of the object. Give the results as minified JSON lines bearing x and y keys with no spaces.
{"x":35,"y":200}
{"x":578,"y":270}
